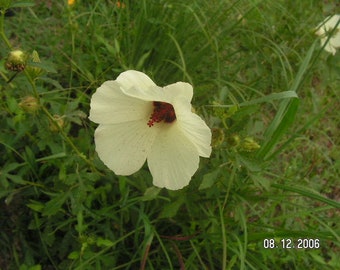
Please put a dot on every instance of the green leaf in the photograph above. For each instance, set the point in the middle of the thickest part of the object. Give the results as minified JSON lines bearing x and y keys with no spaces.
{"x":305,"y":192}
{"x":151,"y":193}
{"x":46,"y":66}
{"x":209,"y":179}
{"x":35,"y":267}
{"x":270,"y":98}
{"x":282,"y":121}
{"x":104,"y":242}
{"x":170,"y":210}
{"x":73,"y":255}
{"x":54,"y":205}
{"x":35,"y":205}
{"x":22,"y":4}
{"x":142,"y":60}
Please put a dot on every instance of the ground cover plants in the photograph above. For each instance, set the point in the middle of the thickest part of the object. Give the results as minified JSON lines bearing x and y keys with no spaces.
{"x":268,"y":196}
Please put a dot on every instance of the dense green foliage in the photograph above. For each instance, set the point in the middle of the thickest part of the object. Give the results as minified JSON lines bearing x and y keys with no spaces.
{"x":261,"y":82}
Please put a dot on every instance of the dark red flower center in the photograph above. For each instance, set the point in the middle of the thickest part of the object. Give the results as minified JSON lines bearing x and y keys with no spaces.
{"x":162,"y":111}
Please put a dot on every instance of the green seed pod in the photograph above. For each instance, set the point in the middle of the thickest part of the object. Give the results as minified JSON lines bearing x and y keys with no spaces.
{"x":29,"y":104}
{"x":16,"y":61}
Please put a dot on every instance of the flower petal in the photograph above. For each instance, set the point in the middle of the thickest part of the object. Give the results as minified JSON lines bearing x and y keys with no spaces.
{"x":180,"y":91}
{"x":173,"y":159}
{"x":332,"y":22}
{"x":133,"y":78}
{"x":110,"y":105}
{"x":335,"y":41}
{"x":193,"y":127}
{"x":197,"y":131}
{"x":138,"y":85}
{"x":328,"y":47}
{"x":177,"y":91}
{"x":123,"y":147}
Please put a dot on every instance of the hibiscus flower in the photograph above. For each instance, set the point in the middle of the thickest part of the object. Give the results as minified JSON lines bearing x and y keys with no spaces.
{"x":140,"y":121}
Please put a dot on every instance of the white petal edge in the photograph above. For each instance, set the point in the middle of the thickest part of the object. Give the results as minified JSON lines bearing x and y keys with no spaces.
{"x":197,"y":131}
{"x":173,"y":159}
{"x":332,"y":22}
{"x":335,"y":41}
{"x":138,"y":85}
{"x":134,"y":78}
{"x":170,"y":93}
{"x":110,"y":105}
{"x":123,"y":147}
{"x":328,"y":47}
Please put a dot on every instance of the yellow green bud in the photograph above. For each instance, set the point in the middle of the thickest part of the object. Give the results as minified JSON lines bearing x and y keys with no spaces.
{"x":71,"y":2}
{"x":29,"y":104}
{"x":16,"y":61}
{"x":249,"y":144}
{"x":34,"y":71}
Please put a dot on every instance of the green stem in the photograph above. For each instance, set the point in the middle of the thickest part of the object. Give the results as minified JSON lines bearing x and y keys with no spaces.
{"x":13,"y":76}
{"x":67,"y":139}
{"x":2,"y":31}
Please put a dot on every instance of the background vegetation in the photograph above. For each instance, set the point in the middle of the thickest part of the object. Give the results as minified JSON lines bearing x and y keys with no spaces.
{"x":262,"y":83}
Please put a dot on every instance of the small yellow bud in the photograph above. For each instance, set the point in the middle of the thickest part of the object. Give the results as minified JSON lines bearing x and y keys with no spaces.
{"x":250,"y":145}
{"x":120,"y":4}
{"x":16,"y":61}
{"x":29,"y":104}
{"x":71,"y":2}
{"x":34,"y":71}
{"x":57,"y":124}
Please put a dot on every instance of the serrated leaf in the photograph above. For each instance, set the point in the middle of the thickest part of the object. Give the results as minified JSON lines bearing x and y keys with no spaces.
{"x":73,"y":255}
{"x":55,"y":83}
{"x":54,"y":205}
{"x":46,"y":66}
{"x":251,"y":165}
{"x":104,"y":242}
{"x":36,"y":206}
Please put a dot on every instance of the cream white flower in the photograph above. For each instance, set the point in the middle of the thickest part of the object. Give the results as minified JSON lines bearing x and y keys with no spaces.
{"x":139,"y":121}
{"x":325,"y":28}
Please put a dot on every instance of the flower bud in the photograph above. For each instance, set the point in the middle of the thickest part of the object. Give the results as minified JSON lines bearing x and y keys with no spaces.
{"x":16,"y":61}
{"x":120,"y":4}
{"x":29,"y":104}
{"x":57,"y":124}
{"x":34,"y":71}
{"x":250,"y":145}
{"x":234,"y":140}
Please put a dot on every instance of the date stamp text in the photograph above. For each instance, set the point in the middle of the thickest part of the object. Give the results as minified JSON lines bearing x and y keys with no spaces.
{"x":287,"y":243}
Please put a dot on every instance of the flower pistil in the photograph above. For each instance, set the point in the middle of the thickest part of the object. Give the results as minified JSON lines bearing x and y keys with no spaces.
{"x":162,"y":111}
